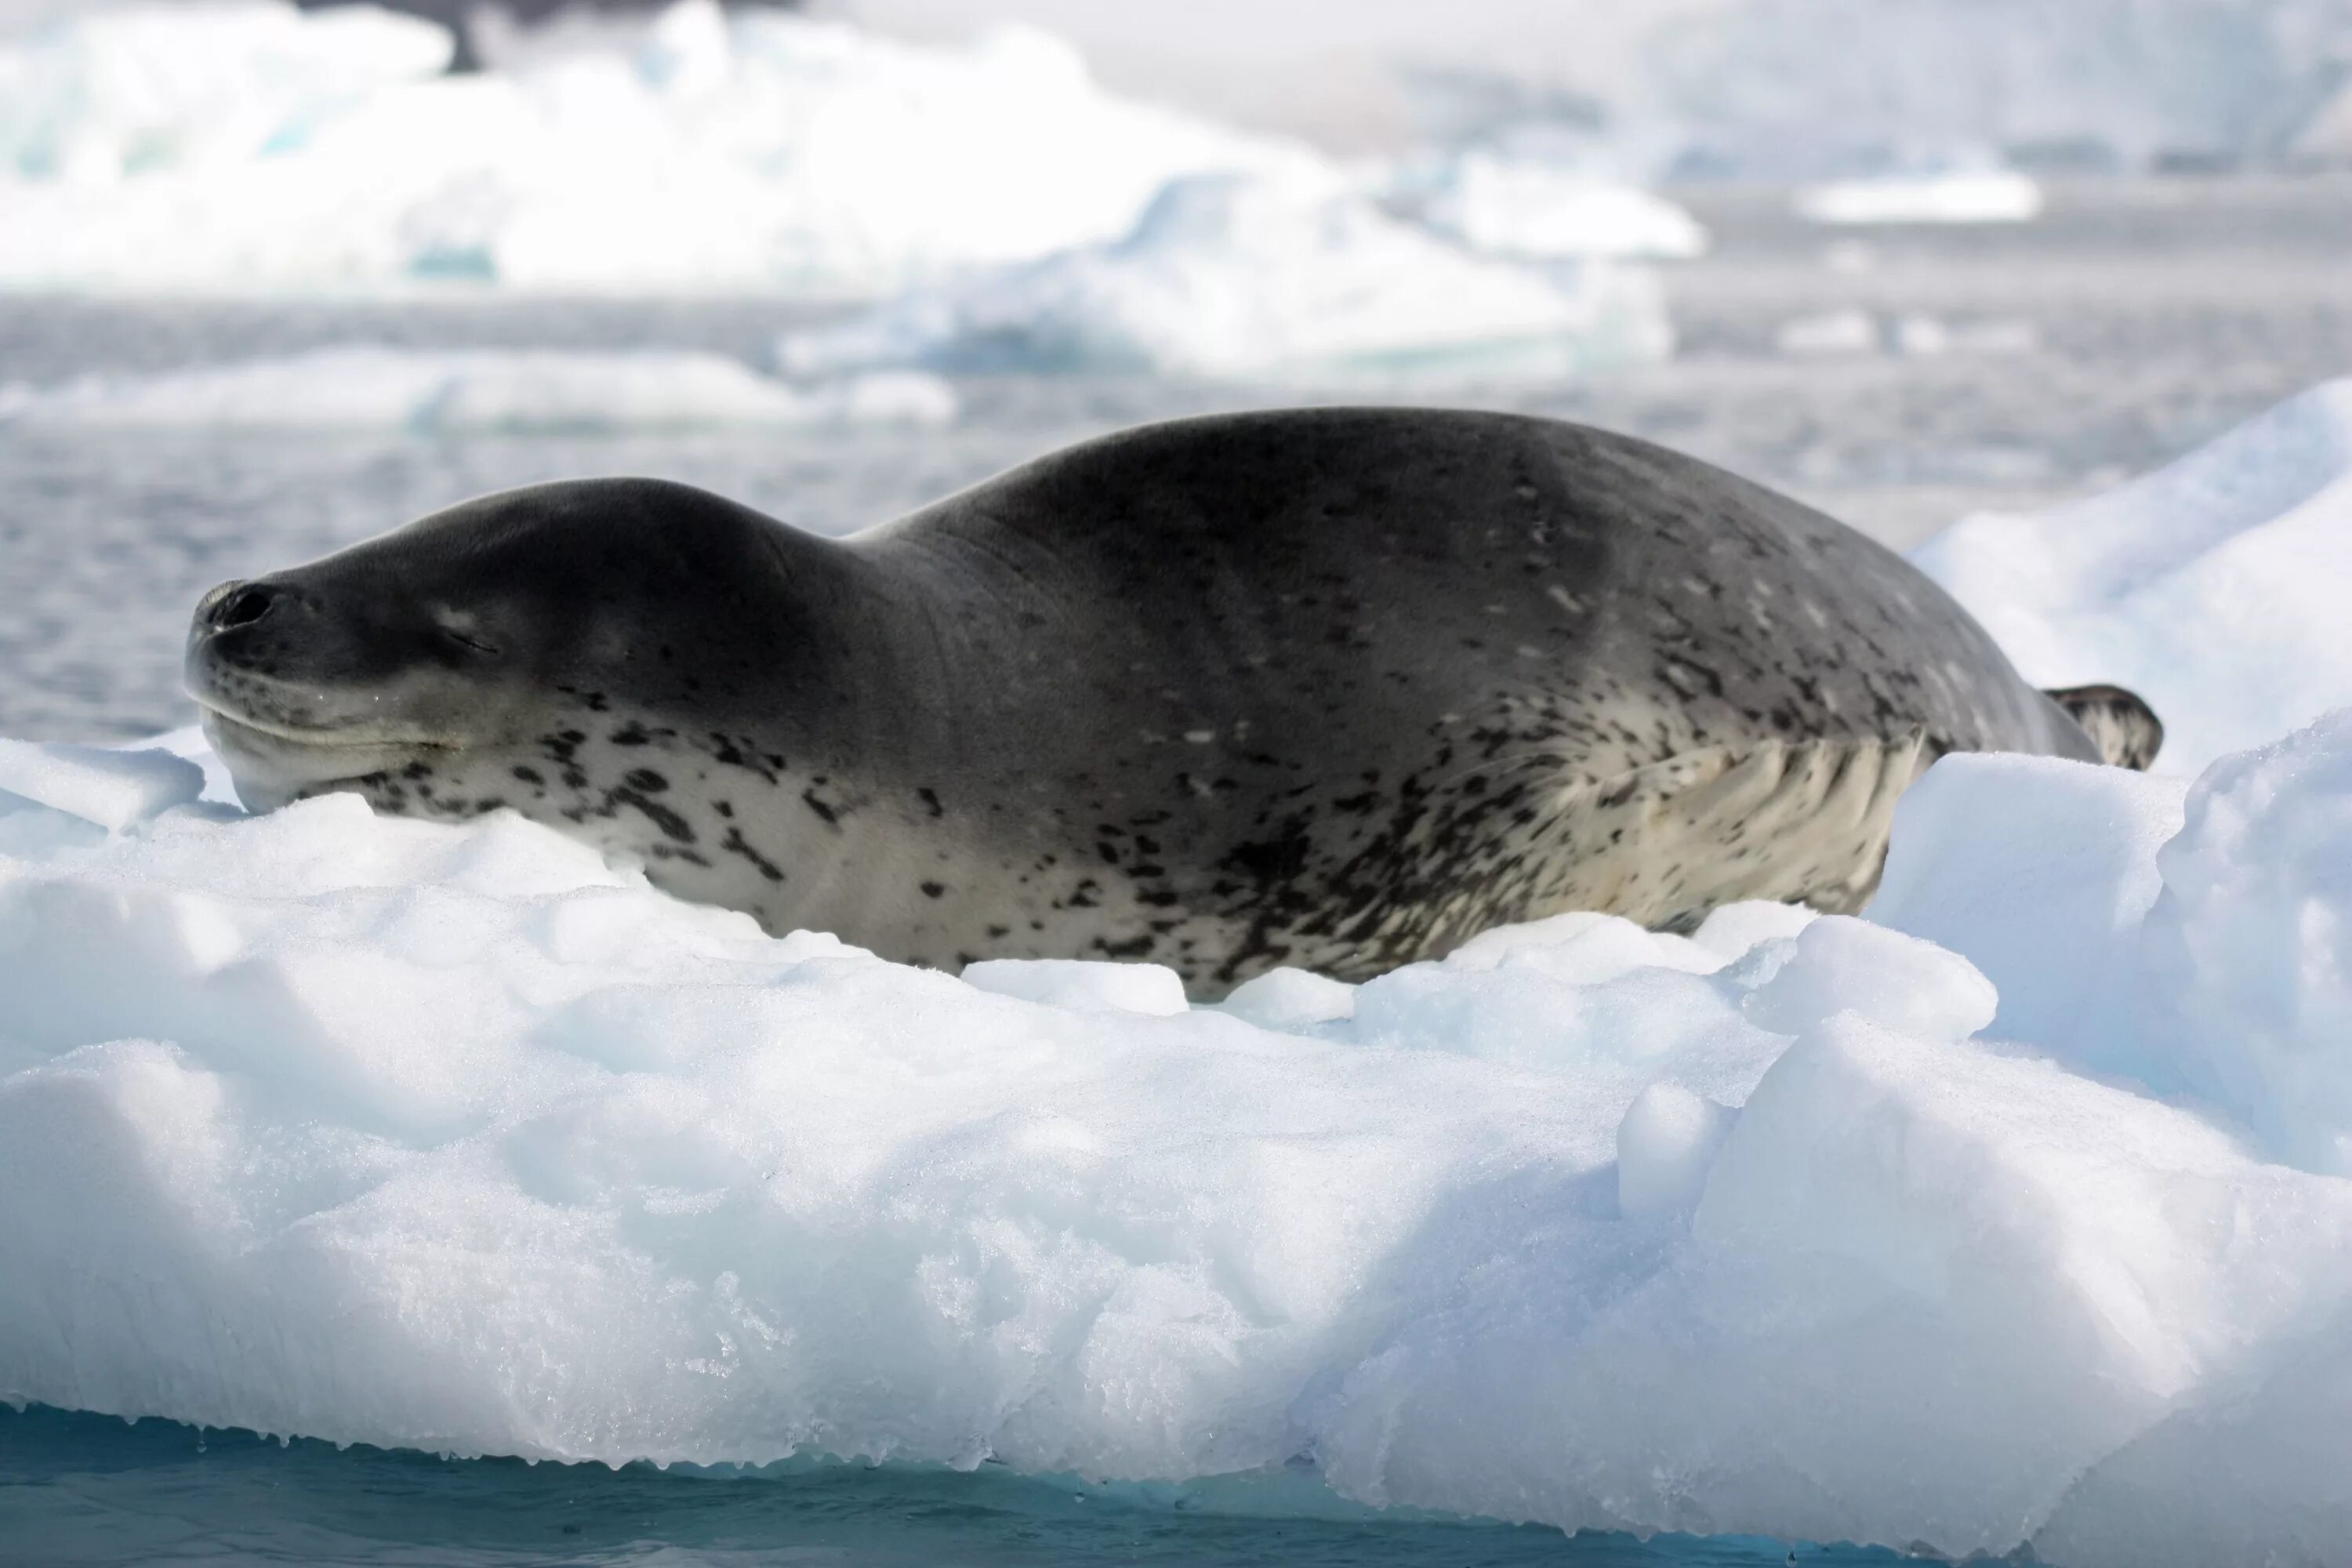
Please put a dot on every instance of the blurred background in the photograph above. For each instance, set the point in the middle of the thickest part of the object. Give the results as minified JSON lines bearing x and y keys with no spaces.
{"x":275,"y":277}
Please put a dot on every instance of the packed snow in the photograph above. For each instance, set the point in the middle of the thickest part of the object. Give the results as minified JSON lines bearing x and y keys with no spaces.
{"x":240,"y":145}
{"x":1234,"y":277}
{"x":2214,"y":588}
{"x":454,"y":391}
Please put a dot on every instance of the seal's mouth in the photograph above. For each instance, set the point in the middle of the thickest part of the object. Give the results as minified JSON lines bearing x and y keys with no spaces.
{"x":253,"y":727}
{"x":275,"y":763}
{"x":259,"y":732}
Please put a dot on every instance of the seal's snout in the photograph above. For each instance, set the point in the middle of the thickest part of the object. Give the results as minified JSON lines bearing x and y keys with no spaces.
{"x":247,"y":632}
{"x":234,"y":604}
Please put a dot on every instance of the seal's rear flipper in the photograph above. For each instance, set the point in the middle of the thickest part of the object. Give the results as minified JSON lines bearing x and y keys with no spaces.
{"x":2124,"y":729}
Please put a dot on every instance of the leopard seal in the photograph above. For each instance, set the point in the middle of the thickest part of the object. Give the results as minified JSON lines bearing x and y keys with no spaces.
{"x":1329,"y":688}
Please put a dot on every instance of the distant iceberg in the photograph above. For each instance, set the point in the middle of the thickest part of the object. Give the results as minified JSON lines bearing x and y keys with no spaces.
{"x":1817,"y":89}
{"x":451,"y":390}
{"x":1955,"y":196}
{"x":1236,"y":277}
{"x":1535,"y":208}
{"x":1915,"y":334}
{"x":242,"y":145}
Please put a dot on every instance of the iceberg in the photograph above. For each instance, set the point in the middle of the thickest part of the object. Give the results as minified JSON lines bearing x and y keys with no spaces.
{"x":90,"y":99}
{"x":1230,"y":276}
{"x":2210,"y":587}
{"x":242,"y":145}
{"x":457,"y":391}
{"x":1808,"y":89}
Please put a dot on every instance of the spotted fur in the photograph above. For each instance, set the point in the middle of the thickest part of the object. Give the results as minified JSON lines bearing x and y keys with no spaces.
{"x":1331,"y":688}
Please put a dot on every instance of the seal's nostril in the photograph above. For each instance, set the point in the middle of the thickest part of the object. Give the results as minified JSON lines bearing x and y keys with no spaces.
{"x":244,"y":606}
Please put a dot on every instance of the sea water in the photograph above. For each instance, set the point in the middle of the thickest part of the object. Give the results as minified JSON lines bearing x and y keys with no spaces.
{"x":88,"y":1489}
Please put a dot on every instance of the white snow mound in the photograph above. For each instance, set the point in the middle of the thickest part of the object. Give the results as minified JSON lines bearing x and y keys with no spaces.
{"x":1281,"y":277}
{"x":453,"y":391}
{"x":248,"y":146}
{"x":459,"y":1138}
{"x":2212,"y":587}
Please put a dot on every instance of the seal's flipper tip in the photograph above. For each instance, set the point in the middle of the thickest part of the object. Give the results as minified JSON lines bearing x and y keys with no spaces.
{"x":2124,"y":729}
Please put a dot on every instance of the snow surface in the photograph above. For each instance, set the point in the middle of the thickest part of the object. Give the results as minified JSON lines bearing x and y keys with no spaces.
{"x":366,"y":387}
{"x":241,"y":145}
{"x":2213,"y":587}
{"x":1243,"y":277}
{"x":2020,"y":1212}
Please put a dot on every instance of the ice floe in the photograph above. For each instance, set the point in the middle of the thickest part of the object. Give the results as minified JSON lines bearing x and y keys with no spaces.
{"x":1283,"y":276}
{"x":454,"y":391}
{"x":1913,"y":334}
{"x":461,"y":1138}
{"x":1975,"y":195}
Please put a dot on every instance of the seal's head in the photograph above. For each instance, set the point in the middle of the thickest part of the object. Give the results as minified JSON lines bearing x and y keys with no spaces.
{"x":434,"y":667}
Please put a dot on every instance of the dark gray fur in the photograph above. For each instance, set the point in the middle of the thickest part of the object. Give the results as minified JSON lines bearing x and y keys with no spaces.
{"x":1335,"y":688}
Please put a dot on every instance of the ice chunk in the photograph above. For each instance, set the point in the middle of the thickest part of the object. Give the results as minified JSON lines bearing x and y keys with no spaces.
{"x":2039,"y":872}
{"x":1151,"y":989}
{"x":1530,"y":208}
{"x":1665,"y":1146}
{"x":1233,"y":277}
{"x":112,"y":790}
{"x":1924,"y":336}
{"x":367,"y":386}
{"x":2234,"y":1480}
{"x":1928,"y":1284}
{"x":1960,"y":195}
{"x":2247,"y":963}
{"x":2210,"y":587}
{"x":1737,"y":929}
{"x":1829,"y":333}
{"x":189,"y":744}
{"x":1292,"y":1001}
{"x":1845,"y":965}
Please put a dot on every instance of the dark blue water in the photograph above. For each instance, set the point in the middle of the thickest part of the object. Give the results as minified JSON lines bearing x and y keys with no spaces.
{"x":86,"y":1490}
